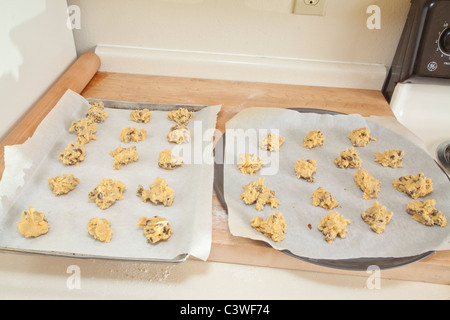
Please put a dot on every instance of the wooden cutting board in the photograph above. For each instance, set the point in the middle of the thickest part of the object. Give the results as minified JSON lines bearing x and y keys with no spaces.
{"x":234,"y":96}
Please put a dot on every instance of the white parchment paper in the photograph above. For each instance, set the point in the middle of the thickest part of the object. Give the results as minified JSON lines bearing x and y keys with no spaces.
{"x":403,"y":236}
{"x":28,"y":166}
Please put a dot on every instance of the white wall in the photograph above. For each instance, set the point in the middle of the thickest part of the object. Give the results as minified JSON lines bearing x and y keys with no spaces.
{"x":36,"y":47}
{"x":249,"y":27}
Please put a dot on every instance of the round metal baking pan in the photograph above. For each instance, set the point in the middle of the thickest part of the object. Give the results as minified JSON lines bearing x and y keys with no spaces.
{"x":360,"y":264}
{"x":443,"y":157}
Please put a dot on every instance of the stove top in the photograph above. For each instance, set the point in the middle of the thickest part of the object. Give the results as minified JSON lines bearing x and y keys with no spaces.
{"x":443,"y":156}
{"x":423,"y":106}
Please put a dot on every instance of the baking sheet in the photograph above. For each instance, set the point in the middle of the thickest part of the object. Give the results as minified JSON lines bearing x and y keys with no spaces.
{"x":403,"y":237}
{"x":28,"y":166}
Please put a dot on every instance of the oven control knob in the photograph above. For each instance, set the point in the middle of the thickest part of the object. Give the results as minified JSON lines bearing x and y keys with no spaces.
{"x":444,"y":42}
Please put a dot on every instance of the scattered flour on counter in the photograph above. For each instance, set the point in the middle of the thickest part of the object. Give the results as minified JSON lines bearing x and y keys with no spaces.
{"x":220,"y":220}
{"x":145,"y":272}
{"x":221,"y":215}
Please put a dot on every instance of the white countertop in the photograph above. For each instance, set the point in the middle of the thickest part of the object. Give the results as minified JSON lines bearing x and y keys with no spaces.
{"x":41,"y":277}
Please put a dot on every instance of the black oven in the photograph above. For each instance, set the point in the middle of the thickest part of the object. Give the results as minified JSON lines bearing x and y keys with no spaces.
{"x":424,"y":47}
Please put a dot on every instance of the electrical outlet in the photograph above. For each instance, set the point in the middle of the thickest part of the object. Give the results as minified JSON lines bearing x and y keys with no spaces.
{"x":309,"y":7}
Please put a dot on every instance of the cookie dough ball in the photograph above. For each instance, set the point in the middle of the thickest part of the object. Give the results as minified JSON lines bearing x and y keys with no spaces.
{"x":33,"y":224}
{"x":322,"y":198}
{"x":367,"y":183}
{"x":377,"y":217}
{"x":100,"y":229}
{"x":306,"y":169}
{"x":179,"y":134}
{"x":348,"y":159}
{"x":274,"y":227}
{"x":124,"y":156}
{"x":97,"y":112}
{"x":360,"y":137}
{"x":271,"y":142}
{"x":257,"y":192}
{"x":155,"y":228}
{"x":85,"y":129}
{"x":426,"y":213}
{"x":107,"y":192}
{"x":313,"y":139}
{"x":61,"y":185}
{"x":390,"y":158}
{"x":249,"y":163}
{"x":414,"y":186}
{"x":141,"y":116}
{"x":168,"y":161}
{"x":73,"y":154}
{"x":159,"y":193}
{"x":132,"y":134}
{"x":333,"y":225}
{"x":181,"y":116}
